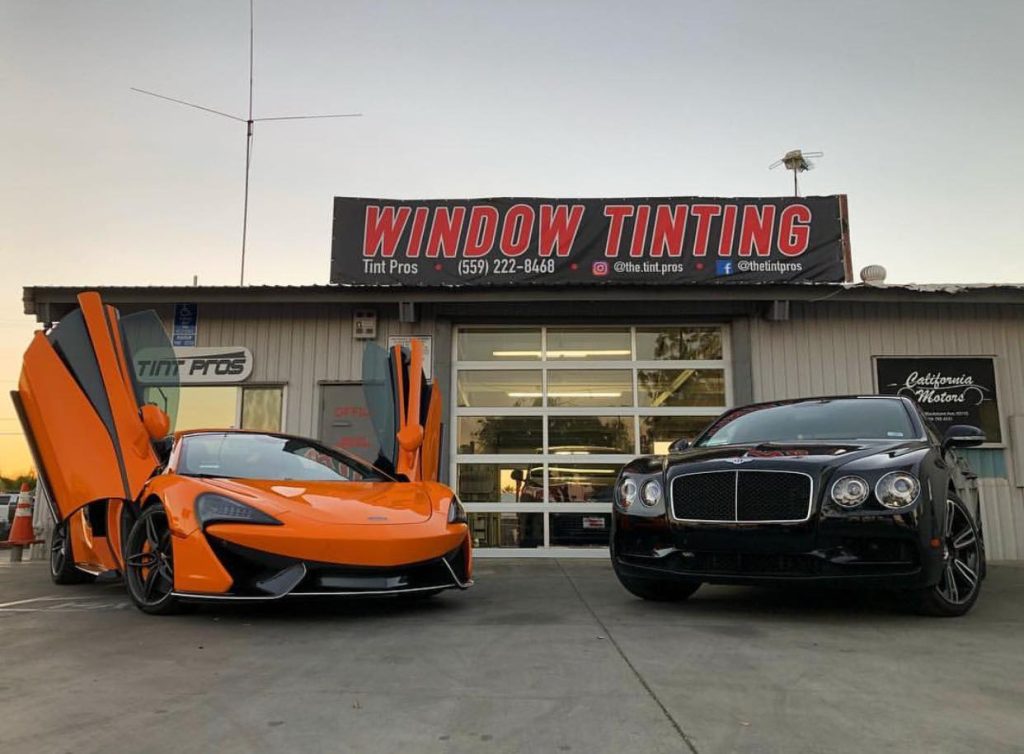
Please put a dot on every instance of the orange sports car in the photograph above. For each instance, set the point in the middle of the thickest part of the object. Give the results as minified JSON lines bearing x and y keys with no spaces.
{"x":225,"y":514}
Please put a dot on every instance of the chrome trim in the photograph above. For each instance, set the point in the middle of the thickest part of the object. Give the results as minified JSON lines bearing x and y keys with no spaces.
{"x":459,"y":584}
{"x":735,"y":498}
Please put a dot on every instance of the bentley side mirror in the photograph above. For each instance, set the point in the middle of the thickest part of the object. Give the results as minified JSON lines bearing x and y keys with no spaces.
{"x":963,"y":436}
{"x":679,"y":445}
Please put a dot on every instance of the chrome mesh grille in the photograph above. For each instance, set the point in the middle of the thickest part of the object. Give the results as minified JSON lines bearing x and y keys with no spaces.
{"x":742,"y":496}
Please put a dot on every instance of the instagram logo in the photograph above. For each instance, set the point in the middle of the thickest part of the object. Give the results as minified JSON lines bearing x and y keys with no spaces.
{"x":600,"y":269}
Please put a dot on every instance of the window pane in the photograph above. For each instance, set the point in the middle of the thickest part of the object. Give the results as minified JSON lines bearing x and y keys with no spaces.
{"x":658,"y":432}
{"x":501,"y":434}
{"x":590,"y":434}
{"x":681,"y":387}
{"x":581,"y":482}
{"x":499,"y":344}
{"x":680,"y":343}
{"x":261,"y":408}
{"x":499,"y":388}
{"x":590,"y":387}
{"x":507,"y":529}
{"x":596,"y":344}
{"x":500,"y":483}
{"x":580,"y":529}
{"x":207,"y":407}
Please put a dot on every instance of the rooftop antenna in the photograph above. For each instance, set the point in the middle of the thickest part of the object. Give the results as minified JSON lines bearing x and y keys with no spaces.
{"x":798,"y":162}
{"x":249,"y":123}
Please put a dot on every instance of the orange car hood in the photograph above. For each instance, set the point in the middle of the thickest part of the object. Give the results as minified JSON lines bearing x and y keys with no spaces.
{"x":334,"y":502}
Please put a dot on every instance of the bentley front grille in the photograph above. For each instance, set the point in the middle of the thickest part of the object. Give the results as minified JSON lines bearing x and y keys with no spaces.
{"x":742,"y":496}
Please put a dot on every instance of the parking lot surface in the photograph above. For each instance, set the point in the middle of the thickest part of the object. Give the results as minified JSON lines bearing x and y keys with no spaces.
{"x":540,"y":656}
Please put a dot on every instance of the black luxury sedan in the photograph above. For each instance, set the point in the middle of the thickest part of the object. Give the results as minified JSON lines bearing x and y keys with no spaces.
{"x":848,"y":490}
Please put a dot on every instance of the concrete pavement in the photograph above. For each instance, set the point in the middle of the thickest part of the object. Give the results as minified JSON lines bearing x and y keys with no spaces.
{"x":540,"y":656}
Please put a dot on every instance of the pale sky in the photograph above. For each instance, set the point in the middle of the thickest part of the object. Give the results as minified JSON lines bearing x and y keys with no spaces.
{"x":918,"y":107}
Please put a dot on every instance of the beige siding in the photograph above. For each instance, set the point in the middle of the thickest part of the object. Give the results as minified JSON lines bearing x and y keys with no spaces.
{"x":827,"y":349}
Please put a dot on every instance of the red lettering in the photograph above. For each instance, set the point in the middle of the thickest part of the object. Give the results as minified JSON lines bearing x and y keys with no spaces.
{"x":728,"y":231}
{"x":419,"y":228}
{"x":643,"y":214}
{"x":383,"y":229}
{"x":756,"y":231}
{"x":483,"y":230}
{"x":517,"y":230}
{"x":445,"y":232}
{"x":703,"y":213}
{"x":669,"y":230}
{"x":793,"y":238}
{"x":558,"y":228}
{"x":618,"y":214}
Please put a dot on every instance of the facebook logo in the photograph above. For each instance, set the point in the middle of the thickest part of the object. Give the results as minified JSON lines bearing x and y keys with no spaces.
{"x":724,"y":267}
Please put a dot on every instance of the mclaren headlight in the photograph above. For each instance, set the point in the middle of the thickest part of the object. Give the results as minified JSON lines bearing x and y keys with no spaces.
{"x":456,"y":513}
{"x":897,"y":489}
{"x":219,"y":509}
{"x":850,"y":491}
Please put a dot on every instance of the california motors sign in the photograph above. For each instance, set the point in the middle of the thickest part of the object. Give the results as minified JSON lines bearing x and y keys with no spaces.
{"x":950,"y":390}
{"x":662,"y":241}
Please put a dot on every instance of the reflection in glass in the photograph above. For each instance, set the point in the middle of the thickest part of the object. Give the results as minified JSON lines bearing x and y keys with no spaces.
{"x":580,"y":529}
{"x":658,"y":432}
{"x":501,"y":434}
{"x":261,"y":408}
{"x":591,"y":387}
{"x":581,"y":482}
{"x":601,"y":344}
{"x":679,"y":343}
{"x":590,"y":434}
{"x":681,"y":387}
{"x":500,"y":483}
{"x":503,"y":388}
{"x":507,"y":529}
{"x":499,"y":344}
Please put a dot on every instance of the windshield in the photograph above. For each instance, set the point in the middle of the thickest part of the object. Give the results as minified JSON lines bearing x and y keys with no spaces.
{"x":848,"y":419}
{"x":246,"y":455}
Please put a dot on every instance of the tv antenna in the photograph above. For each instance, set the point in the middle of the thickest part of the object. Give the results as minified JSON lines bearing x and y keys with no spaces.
{"x":798,"y":162}
{"x":249,"y":129}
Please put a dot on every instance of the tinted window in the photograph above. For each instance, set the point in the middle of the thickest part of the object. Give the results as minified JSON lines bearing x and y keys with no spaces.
{"x":256,"y":456}
{"x":853,"y":419}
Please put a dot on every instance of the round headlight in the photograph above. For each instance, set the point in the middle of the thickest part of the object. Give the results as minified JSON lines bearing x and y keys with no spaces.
{"x":850,"y":491}
{"x":897,"y":489}
{"x":627,"y":492}
{"x":650,"y":493}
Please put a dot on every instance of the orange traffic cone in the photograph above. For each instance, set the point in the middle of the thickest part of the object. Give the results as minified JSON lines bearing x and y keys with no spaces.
{"x":22,"y":534}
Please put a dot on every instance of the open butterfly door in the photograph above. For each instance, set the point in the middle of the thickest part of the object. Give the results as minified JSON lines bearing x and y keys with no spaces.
{"x":405,"y":410}
{"x":80,"y":404}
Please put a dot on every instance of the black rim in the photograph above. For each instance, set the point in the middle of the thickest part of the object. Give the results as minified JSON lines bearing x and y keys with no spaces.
{"x":59,"y":549}
{"x":149,"y":560}
{"x":960,"y":574}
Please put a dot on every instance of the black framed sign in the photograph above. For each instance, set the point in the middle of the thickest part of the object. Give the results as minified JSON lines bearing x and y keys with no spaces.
{"x":949,"y":389}
{"x":508,"y":241}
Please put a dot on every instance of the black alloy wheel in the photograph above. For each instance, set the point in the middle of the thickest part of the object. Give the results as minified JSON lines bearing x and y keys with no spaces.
{"x":62,"y":559}
{"x":963,"y":565}
{"x":149,"y":563}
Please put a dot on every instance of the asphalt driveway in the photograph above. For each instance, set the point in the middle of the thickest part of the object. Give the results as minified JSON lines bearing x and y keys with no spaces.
{"x":541,"y":656}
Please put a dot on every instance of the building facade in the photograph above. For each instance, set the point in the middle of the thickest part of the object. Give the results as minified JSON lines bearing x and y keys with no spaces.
{"x":548,"y":391}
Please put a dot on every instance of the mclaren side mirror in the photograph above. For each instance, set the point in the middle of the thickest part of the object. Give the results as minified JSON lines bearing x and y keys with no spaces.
{"x":963,"y":436}
{"x":679,"y":445}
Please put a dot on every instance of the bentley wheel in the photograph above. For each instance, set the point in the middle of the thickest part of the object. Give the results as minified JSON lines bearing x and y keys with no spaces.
{"x":963,"y":566}
{"x":657,"y":590}
{"x":149,"y":563}
{"x":62,"y":559}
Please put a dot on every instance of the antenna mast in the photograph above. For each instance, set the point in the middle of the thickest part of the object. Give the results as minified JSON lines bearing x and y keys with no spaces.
{"x":798,"y":162}
{"x":249,"y":133}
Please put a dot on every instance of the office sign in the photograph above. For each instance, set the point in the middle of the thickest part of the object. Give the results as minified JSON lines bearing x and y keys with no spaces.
{"x":662,"y":241}
{"x":186,"y":325}
{"x":949,"y":389}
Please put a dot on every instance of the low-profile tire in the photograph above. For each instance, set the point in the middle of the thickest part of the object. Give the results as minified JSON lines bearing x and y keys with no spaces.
{"x":659,"y":590}
{"x":62,"y":559}
{"x":149,"y":564}
{"x":963,"y":568}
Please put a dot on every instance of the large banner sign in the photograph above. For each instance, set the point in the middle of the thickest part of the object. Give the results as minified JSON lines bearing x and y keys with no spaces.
{"x":949,"y":389}
{"x":666,"y":241}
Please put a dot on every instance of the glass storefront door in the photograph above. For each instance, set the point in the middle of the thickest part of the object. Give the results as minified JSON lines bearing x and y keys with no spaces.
{"x":544,"y":418}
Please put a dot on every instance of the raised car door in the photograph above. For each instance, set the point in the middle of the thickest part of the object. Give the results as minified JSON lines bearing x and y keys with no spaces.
{"x":81,"y":406}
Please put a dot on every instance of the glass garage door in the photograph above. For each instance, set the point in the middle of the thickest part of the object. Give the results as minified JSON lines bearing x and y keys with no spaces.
{"x":545,"y":417}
